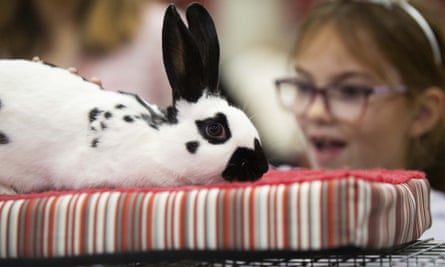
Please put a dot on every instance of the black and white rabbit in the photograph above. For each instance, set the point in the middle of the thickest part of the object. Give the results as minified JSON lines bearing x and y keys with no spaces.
{"x":59,"y":131}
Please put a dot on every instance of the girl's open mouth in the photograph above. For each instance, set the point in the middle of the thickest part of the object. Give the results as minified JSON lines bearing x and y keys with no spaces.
{"x":326,"y":149}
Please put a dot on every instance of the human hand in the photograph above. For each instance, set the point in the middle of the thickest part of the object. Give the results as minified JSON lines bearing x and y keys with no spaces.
{"x":75,"y":71}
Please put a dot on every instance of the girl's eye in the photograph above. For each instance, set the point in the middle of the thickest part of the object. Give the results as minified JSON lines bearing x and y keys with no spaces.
{"x":304,"y":87}
{"x":352,"y":91}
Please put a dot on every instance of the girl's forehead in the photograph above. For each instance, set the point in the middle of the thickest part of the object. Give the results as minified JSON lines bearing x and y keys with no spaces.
{"x":327,"y":48}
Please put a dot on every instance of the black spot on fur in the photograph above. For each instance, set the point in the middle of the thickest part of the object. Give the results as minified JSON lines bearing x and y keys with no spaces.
{"x":103,"y":125}
{"x":166,"y":116}
{"x":0,"y":104}
{"x":128,"y":118}
{"x":93,"y":128}
{"x":93,"y":114}
{"x":172,"y":115}
{"x":120,"y":106}
{"x":3,"y":139}
{"x":192,"y":146}
{"x":108,"y":115}
{"x":94,"y":142}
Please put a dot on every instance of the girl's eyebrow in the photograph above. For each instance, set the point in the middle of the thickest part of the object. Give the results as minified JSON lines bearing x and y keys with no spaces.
{"x":337,"y":78}
{"x":304,"y":73}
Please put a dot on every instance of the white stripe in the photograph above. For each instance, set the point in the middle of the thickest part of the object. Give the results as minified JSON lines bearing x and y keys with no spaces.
{"x":61,"y":215}
{"x":392,"y":214}
{"x":7,"y":227}
{"x":169,"y":223}
{"x":352,"y":204}
{"x":315,"y":220}
{"x":280,"y":216}
{"x":159,"y":226}
{"x":100,"y":213}
{"x":363,"y":210}
{"x":293,"y":211}
{"x":200,"y":220}
{"x":261,"y":216}
{"x":77,"y":223}
{"x":271,"y":197}
{"x":211,"y":218}
{"x":91,"y":211}
{"x":190,"y":219}
{"x":110,"y":222}
{"x":304,"y":215}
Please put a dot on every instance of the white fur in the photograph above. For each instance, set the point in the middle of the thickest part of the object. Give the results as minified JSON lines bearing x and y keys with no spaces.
{"x":45,"y":112}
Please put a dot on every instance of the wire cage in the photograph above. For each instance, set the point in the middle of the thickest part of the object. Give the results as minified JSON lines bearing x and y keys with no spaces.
{"x":424,"y":253}
{"x":420,"y":253}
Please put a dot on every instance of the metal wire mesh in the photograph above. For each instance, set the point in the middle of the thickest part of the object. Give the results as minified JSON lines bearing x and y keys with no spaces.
{"x":421,"y":253}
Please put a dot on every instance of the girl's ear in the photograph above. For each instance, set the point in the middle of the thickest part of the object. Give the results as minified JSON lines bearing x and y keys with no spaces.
{"x":429,"y":109}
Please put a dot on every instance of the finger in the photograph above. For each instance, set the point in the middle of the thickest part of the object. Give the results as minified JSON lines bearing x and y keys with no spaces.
{"x":96,"y":81}
{"x":73,"y":70}
{"x":36,"y":59}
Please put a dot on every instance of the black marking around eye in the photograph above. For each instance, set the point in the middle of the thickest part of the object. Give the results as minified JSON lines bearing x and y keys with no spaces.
{"x":219,"y":118}
{"x":3,"y":139}
{"x":93,"y":114}
{"x":192,"y":146}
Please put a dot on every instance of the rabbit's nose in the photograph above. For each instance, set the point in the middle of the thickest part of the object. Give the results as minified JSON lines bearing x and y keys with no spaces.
{"x":246,"y":164}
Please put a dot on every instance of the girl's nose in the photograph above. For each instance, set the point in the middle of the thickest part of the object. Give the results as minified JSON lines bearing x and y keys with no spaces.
{"x":318,"y":109}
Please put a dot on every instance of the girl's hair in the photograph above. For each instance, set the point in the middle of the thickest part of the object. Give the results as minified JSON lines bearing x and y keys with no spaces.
{"x":367,"y":29}
{"x":103,"y":24}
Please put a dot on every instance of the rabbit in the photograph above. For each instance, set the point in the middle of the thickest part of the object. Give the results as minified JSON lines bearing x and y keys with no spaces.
{"x":59,"y":131}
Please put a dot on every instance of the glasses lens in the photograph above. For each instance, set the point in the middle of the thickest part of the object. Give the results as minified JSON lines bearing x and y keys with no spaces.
{"x":347,"y":102}
{"x":294,"y":95}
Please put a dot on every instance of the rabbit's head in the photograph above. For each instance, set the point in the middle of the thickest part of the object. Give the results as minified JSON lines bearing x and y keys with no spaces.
{"x":217,"y":135}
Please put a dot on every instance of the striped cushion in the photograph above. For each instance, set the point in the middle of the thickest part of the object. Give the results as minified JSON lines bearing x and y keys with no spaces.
{"x":285,"y":210}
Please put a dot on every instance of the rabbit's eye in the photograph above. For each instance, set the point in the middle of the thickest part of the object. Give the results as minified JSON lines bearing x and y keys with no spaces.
{"x":215,"y":130}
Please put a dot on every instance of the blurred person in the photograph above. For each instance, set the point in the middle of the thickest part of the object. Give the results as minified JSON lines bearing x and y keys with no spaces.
{"x":118,"y":41}
{"x":368,"y":90}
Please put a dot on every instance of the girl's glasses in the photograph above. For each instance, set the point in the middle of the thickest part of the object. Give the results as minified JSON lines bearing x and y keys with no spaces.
{"x":342,"y":101}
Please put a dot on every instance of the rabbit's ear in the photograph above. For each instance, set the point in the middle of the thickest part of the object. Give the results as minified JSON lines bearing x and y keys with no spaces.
{"x":182,"y":58}
{"x":203,"y":29}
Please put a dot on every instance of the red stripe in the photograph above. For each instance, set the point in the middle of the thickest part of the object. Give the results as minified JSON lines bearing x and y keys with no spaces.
{"x":83,"y":224}
{"x":51,"y":227}
{"x":226,"y":219}
{"x":252,"y":223}
{"x":28,"y":245}
{"x":195,"y":220}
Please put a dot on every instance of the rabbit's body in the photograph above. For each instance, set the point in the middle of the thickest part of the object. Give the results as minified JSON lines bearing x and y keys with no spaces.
{"x":55,"y":124}
{"x":59,"y":131}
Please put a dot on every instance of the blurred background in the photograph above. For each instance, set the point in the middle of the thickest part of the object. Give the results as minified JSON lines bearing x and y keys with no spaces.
{"x":119,"y":41}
